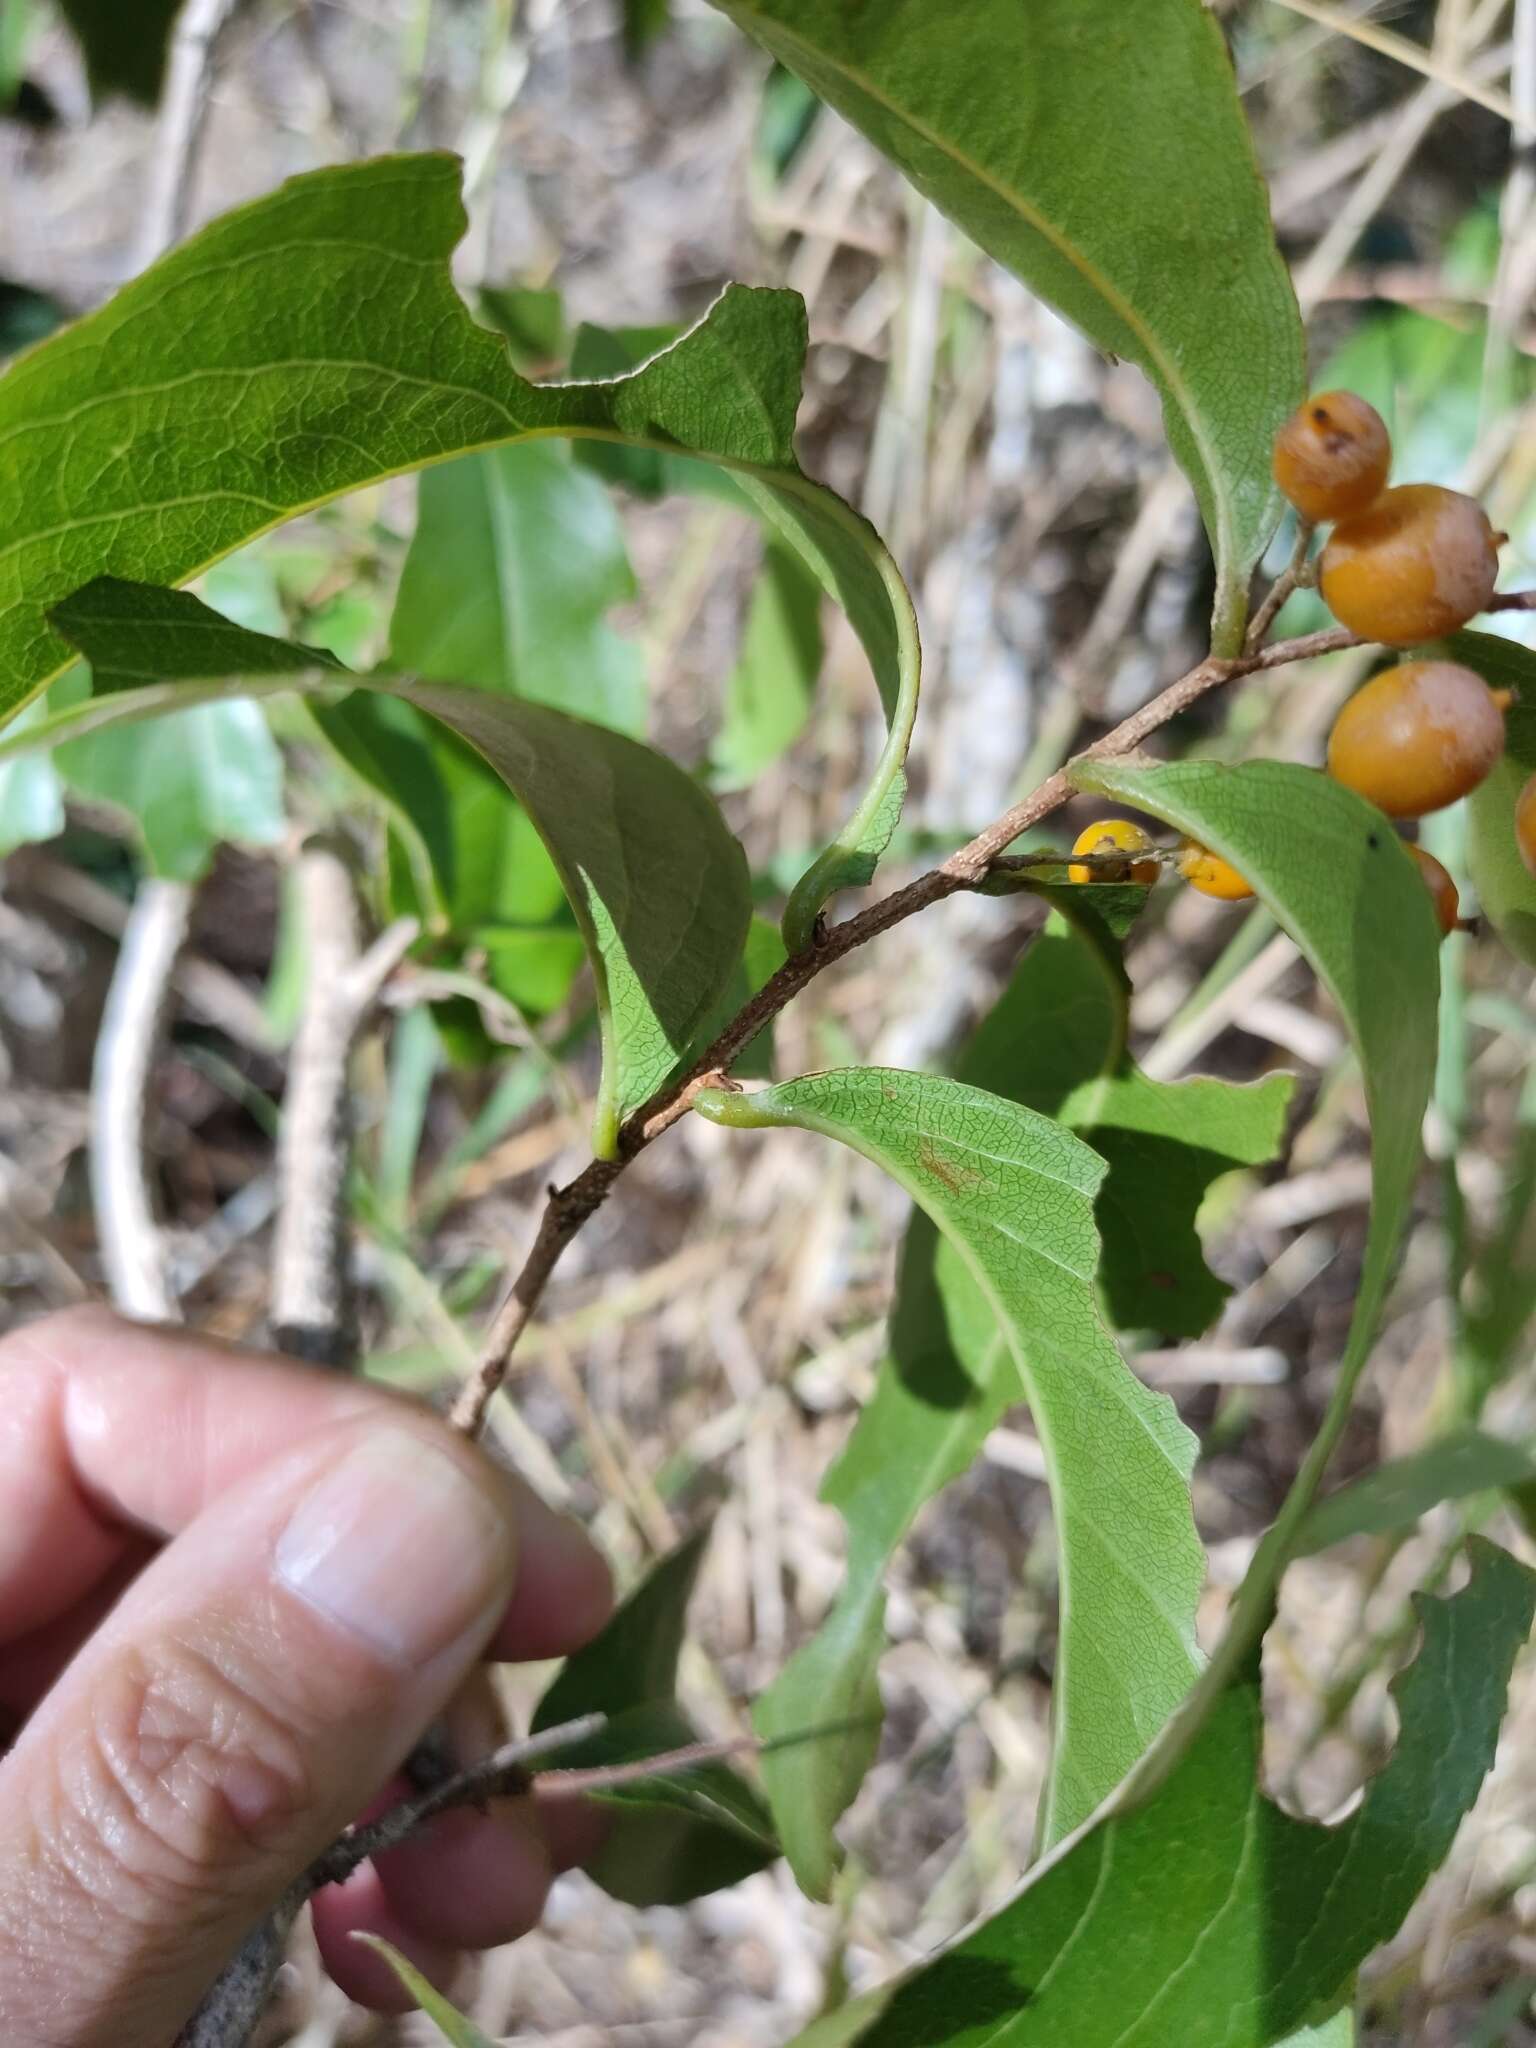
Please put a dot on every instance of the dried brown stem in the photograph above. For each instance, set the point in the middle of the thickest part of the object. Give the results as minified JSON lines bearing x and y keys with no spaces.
{"x":501,"y":1775}
{"x":231,"y":2010}
{"x":569,"y":1207}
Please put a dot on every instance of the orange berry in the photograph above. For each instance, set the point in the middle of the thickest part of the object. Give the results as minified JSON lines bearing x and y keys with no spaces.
{"x":1417,"y":737}
{"x":1419,"y":562}
{"x":1210,"y":874}
{"x":1441,"y":888}
{"x":1525,"y":824}
{"x":1332,"y":456}
{"x":1114,"y":835}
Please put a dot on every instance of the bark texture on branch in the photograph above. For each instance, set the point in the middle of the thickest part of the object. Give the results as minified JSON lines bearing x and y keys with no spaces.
{"x":313,"y":1311}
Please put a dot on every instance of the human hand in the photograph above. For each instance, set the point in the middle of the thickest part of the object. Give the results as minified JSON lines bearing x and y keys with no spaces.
{"x":233,"y":1593}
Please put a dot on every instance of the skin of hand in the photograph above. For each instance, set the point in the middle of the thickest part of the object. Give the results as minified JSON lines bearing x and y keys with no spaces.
{"x":234,"y":1592}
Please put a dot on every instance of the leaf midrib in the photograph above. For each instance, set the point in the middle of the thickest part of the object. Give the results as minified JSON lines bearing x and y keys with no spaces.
{"x":1042,"y":227}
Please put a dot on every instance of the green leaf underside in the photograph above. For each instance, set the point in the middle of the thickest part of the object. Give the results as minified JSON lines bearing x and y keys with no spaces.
{"x":1464,"y":1461}
{"x":672,"y":1838}
{"x":1057,"y":1031}
{"x":658,"y":885}
{"x":1211,"y":1916}
{"x":458,"y":2031}
{"x":311,"y":343}
{"x":1009,"y":1289}
{"x":1097,"y":148}
{"x":1337,"y":877}
{"x":1506,"y":889}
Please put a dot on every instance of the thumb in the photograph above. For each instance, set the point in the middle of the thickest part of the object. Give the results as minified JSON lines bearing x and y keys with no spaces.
{"x":249,"y":1693}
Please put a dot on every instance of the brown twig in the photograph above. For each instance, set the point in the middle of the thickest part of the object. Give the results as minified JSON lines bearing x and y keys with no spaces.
{"x":502,"y":1775}
{"x":1290,"y":578}
{"x":568,"y":1208}
{"x":231,"y":2010}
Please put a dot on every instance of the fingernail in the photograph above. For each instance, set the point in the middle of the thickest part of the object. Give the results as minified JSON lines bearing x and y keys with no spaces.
{"x":398,"y":1546}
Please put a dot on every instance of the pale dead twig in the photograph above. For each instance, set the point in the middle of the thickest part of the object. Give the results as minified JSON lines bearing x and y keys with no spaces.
{"x":208,"y":990}
{"x":138,"y":1002}
{"x":311,"y":1292}
{"x":183,"y":108}
{"x":1515,"y":279}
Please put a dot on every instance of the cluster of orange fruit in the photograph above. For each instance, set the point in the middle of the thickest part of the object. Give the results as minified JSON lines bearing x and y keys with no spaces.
{"x":1401,"y":566}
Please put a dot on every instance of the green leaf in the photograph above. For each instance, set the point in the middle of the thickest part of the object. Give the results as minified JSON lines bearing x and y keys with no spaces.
{"x":1056,"y":1041}
{"x":1210,"y":1915}
{"x":209,"y":775}
{"x":658,"y":886}
{"x":1500,"y":1289}
{"x":125,"y":47}
{"x":313,"y":342}
{"x":1506,"y":888}
{"x":448,"y":2020}
{"x":1008,"y":1290}
{"x":768,"y":695}
{"x":31,"y":799}
{"x":1394,"y":1495}
{"x":471,"y":858}
{"x":1053,"y":1038}
{"x":516,"y":558}
{"x":1137,"y":239}
{"x":648,"y":472}
{"x":671,"y":1838}
{"x":19,"y":23}
{"x":1338,"y":878}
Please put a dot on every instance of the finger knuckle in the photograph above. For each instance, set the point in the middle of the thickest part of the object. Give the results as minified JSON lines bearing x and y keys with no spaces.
{"x":183,"y":1774}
